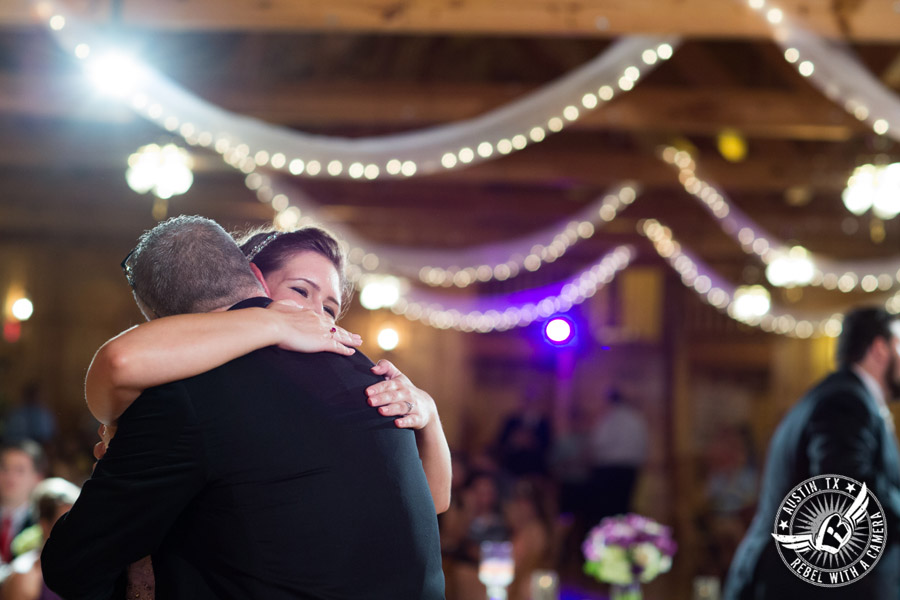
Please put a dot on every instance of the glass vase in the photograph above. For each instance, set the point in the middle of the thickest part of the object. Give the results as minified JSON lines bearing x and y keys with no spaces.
{"x":631,"y":591}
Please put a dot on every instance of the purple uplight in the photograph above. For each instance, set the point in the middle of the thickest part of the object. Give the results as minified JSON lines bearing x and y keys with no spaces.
{"x":559,"y":330}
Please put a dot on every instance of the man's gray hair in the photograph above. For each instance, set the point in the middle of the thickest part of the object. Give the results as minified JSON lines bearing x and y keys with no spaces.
{"x":189,"y":264}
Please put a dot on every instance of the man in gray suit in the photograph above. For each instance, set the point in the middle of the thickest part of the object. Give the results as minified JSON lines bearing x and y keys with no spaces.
{"x":841,"y":427}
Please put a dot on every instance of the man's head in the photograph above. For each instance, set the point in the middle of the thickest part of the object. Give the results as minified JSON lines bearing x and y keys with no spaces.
{"x":871,"y":339}
{"x":188,"y":265}
{"x":22,"y":466}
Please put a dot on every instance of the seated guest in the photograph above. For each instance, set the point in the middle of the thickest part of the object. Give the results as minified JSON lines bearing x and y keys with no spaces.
{"x":529,"y":519}
{"x":21,"y":469}
{"x":52,"y":498}
{"x":477,"y":518}
{"x":474,"y":519}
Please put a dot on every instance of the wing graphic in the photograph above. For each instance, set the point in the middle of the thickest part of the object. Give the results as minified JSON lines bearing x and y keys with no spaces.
{"x":800,"y":543}
{"x":857,"y":510}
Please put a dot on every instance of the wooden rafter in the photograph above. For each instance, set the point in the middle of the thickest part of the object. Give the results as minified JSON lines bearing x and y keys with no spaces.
{"x":869,"y":21}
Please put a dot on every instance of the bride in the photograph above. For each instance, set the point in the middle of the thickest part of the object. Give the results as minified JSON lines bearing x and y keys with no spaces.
{"x":303,"y":271}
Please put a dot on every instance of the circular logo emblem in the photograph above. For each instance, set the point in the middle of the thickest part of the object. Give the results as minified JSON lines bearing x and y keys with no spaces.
{"x":830,"y":530}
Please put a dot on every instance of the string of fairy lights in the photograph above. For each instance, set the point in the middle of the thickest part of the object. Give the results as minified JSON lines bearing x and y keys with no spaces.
{"x":835,"y":71}
{"x":786,"y":265}
{"x":458,"y":267}
{"x":506,"y":311}
{"x":249,"y":145}
{"x":730,"y":299}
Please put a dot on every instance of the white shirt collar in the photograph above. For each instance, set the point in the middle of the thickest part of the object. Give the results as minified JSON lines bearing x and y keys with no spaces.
{"x":872,"y":386}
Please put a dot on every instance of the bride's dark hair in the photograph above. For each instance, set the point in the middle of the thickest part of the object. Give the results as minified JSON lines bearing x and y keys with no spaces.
{"x":269,"y":249}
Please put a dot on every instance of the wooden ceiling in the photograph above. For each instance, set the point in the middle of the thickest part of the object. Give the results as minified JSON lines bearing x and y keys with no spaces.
{"x":366,"y":67}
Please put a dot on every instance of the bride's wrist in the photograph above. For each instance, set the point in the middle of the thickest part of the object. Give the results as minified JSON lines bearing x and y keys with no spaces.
{"x":272,"y":323}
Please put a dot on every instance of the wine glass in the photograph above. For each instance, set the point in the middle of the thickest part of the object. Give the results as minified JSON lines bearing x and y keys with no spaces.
{"x":497,"y":569}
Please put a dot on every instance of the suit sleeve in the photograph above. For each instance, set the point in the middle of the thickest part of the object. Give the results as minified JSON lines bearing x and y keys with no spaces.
{"x":843,"y":437}
{"x":153,"y":468}
{"x":846,"y":439}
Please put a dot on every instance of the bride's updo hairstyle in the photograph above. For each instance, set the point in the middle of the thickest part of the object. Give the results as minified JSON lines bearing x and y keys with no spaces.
{"x":269,"y":250}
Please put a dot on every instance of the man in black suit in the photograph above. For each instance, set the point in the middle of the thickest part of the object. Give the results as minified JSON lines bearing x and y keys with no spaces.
{"x":269,"y":477}
{"x":842,"y":427}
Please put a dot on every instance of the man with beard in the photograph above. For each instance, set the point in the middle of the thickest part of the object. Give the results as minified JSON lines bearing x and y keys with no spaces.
{"x":841,"y":427}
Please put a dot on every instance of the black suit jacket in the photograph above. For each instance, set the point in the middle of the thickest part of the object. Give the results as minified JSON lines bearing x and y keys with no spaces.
{"x":836,"y":428}
{"x":269,"y":477}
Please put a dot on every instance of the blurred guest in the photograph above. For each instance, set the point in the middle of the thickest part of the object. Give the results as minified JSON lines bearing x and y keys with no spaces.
{"x":31,"y":419}
{"x":524,"y":439}
{"x":21,"y":469}
{"x":52,"y":498}
{"x":618,"y":448}
{"x":730,"y":494}
{"x":571,"y":469}
{"x":842,"y":426}
{"x":571,"y":466}
{"x":528,"y":516}
{"x":474,"y":519}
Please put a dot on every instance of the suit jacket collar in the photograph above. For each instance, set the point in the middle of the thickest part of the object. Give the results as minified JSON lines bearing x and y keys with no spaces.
{"x":258,"y":301}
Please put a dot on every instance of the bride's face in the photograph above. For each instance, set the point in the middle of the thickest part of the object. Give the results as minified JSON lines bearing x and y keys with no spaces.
{"x":310,"y":280}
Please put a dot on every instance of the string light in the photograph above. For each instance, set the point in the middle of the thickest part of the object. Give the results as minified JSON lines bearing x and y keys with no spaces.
{"x":467,"y":266}
{"x":501,"y":131}
{"x":500,"y":313}
{"x":742,"y":304}
{"x":838,"y":74}
{"x":754,"y":240}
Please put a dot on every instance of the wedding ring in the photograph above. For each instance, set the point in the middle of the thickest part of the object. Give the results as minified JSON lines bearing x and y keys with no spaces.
{"x":409,"y":407}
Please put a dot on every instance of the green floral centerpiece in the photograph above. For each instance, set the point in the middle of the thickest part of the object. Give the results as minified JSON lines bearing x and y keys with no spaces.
{"x":626,"y":551}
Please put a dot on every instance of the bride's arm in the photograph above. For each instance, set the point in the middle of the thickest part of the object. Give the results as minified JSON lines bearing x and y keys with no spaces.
{"x":173,"y":348}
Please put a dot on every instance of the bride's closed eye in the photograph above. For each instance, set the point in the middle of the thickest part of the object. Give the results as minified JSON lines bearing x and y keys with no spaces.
{"x":305,"y":293}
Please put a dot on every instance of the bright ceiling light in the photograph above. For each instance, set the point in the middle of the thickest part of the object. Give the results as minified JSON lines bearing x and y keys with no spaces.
{"x":559,"y":330}
{"x":875,"y":187}
{"x":115,"y":73}
{"x":791,"y":269}
{"x":22,"y":309}
{"x":751,"y":302}
{"x":388,"y":339}
{"x":164,"y":171}
{"x":379,"y":292}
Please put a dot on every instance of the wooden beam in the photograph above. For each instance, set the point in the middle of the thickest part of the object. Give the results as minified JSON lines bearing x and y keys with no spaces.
{"x":859,"y":21}
{"x":26,"y":12}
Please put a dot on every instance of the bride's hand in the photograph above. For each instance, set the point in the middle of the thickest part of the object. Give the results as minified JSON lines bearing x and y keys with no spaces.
{"x":303,"y":330}
{"x":106,"y":433}
{"x":397,"y":396}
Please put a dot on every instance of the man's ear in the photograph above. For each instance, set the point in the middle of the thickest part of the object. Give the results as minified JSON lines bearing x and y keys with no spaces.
{"x":262,"y":280}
